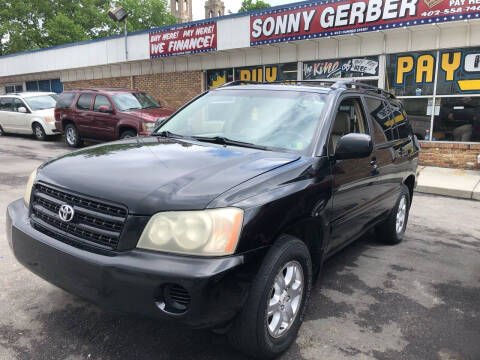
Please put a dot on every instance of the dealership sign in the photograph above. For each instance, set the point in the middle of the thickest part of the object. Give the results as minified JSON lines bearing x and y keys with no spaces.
{"x":188,"y":39}
{"x":339,"y":17}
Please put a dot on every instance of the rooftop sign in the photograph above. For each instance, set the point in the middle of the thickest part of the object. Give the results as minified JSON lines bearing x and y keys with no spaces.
{"x":181,"y":40}
{"x":340,"y":17}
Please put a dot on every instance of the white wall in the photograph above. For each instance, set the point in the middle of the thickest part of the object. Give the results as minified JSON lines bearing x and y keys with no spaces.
{"x":104,"y":59}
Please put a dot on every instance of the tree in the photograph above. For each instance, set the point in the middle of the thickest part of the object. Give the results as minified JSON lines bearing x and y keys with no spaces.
{"x":248,"y":5}
{"x":34,"y":24}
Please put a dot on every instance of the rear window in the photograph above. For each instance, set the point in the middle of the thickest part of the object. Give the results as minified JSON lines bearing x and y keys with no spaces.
{"x":65,"y":100}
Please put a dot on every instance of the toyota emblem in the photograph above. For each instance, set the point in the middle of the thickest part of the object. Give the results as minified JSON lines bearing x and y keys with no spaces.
{"x":66,"y":213}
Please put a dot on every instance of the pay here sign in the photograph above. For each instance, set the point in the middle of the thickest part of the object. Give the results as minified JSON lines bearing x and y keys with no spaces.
{"x":339,"y":17}
{"x":184,"y":40}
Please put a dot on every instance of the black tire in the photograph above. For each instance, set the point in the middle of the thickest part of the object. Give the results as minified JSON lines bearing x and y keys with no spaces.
{"x":128,"y":134}
{"x":72,"y":137}
{"x":250,"y":330}
{"x":1,"y":131}
{"x":39,"y":132}
{"x":388,"y":231}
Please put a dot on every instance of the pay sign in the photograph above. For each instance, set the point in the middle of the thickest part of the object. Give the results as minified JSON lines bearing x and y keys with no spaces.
{"x":460,"y":67}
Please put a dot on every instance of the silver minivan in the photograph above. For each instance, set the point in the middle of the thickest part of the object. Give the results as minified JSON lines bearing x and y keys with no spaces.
{"x":28,"y":113}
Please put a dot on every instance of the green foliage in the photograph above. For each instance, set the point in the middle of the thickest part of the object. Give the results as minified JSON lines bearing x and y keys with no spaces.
{"x":248,"y":5}
{"x":34,"y":24}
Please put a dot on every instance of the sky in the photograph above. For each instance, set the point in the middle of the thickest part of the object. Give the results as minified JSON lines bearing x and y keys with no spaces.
{"x":232,"y":5}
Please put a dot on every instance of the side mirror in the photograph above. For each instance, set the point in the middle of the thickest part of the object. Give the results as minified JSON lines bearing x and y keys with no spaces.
{"x":160,"y":121}
{"x":354,"y":146}
{"x":105,"y":109}
{"x":22,"y":109}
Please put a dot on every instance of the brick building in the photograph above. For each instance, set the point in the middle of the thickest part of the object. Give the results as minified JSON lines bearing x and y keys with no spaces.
{"x":425,"y":52}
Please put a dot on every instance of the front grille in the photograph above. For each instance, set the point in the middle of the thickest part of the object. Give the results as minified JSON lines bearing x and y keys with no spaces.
{"x":94,"y":223}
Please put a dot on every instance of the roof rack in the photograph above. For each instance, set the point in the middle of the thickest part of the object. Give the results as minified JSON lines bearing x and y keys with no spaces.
{"x":333,"y":84}
{"x":103,"y":89}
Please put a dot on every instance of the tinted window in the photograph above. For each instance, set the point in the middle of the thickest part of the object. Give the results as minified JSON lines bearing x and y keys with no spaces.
{"x":65,"y":100}
{"x":381,"y":118}
{"x":84,"y":101}
{"x":6,"y":104}
{"x":101,"y":100}
{"x":401,"y":128}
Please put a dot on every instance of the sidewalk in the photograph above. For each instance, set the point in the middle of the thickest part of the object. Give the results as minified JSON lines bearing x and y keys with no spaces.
{"x":449,"y":182}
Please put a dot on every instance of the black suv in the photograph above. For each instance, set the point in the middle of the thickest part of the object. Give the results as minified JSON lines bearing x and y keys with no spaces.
{"x":223,"y":217}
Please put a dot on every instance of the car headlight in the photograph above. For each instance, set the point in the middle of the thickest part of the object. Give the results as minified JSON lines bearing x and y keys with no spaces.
{"x":149,"y":126}
{"x":49,"y":119}
{"x":212,"y":232}
{"x":28,"y":190}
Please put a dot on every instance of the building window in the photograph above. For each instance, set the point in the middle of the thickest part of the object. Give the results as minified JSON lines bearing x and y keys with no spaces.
{"x":440,"y":91}
{"x":53,"y":85}
{"x":9,"y":89}
{"x":211,"y":14}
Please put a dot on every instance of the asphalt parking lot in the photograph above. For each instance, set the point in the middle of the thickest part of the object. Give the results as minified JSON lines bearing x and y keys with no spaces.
{"x":418,"y":300}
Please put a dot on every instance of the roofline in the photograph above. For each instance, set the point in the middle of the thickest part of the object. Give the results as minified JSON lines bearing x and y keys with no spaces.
{"x":174,"y":26}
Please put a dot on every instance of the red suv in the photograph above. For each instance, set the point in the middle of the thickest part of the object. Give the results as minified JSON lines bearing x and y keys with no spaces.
{"x":106,"y":114}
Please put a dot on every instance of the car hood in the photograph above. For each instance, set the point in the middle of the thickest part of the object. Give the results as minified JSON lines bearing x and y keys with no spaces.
{"x":151,"y":114}
{"x":153,"y":174}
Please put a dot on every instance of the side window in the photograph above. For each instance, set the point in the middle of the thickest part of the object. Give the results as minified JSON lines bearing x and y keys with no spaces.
{"x":401,"y":127}
{"x":101,"y":100}
{"x":350,"y":118}
{"x":382,"y":119}
{"x":65,"y":100}
{"x":6,"y":104}
{"x":17,"y":103}
{"x":84,"y":101}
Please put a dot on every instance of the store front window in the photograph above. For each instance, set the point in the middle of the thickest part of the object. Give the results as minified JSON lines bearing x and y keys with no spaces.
{"x":442,"y":99}
{"x":261,"y":73}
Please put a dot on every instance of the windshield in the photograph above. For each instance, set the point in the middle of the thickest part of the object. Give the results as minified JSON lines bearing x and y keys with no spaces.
{"x":134,"y":101}
{"x":41,"y":102}
{"x":273,"y":119}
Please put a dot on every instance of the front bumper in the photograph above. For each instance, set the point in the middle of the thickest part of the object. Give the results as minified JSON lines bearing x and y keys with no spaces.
{"x":132,"y":281}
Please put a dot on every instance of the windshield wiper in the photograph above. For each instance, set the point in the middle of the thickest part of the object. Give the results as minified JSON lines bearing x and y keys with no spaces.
{"x":132,"y":108}
{"x":226,"y":141}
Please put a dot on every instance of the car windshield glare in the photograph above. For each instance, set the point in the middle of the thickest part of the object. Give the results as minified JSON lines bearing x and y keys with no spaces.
{"x":134,"y":101}
{"x":41,"y":102}
{"x":274,"y":119}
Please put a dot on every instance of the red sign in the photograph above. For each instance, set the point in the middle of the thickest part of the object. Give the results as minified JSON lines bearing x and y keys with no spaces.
{"x":339,"y":17}
{"x":184,"y":40}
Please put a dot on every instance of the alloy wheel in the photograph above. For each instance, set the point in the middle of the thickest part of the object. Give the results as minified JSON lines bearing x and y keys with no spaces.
{"x":401,"y":214}
{"x":285,"y":299}
{"x":38,"y":132}
{"x":71,"y":136}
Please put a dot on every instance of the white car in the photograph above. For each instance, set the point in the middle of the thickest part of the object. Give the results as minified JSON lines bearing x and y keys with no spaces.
{"x":28,"y":113}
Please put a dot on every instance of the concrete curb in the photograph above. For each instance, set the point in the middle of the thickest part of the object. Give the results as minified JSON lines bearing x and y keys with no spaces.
{"x":464,"y":184}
